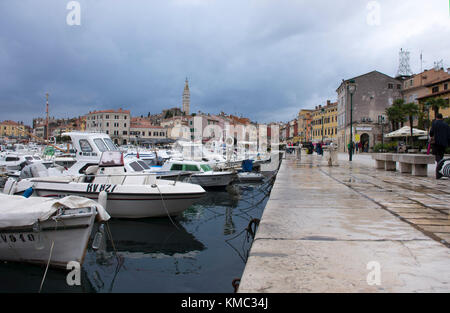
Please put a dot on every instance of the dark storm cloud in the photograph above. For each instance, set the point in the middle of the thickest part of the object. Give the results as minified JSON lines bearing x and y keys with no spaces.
{"x":263,"y":58}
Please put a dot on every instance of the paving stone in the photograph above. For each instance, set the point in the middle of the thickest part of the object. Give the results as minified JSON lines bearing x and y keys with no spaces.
{"x":429,"y":221}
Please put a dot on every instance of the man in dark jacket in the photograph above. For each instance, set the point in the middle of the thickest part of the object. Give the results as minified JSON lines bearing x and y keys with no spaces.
{"x":440,"y":133}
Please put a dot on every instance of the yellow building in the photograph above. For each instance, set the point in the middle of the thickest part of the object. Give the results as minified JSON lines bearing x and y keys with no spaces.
{"x":439,"y":89}
{"x":326,"y":131}
{"x":12,"y":129}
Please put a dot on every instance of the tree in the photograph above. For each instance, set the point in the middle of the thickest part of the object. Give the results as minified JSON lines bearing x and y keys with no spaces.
{"x":411,"y":110}
{"x":395,"y":114}
{"x":435,"y":104}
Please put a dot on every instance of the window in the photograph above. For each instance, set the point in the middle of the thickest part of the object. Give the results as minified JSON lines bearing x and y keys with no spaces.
{"x":100,"y":145}
{"x":125,"y":125}
{"x":136,"y":167}
{"x":85,"y":146}
{"x":176,"y":167}
{"x":11,"y":159}
{"x":206,"y":167}
{"x":125,"y":132}
{"x":190,"y":167}
{"x":110,"y":144}
{"x":391,"y":86}
{"x":445,"y":86}
{"x":107,"y":116}
{"x":399,"y":86}
{"x":435,"y":89}
{"x":143,"y":164}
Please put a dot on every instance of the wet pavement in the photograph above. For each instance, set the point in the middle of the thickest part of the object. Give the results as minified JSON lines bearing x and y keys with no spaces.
{"x":327,"y":229}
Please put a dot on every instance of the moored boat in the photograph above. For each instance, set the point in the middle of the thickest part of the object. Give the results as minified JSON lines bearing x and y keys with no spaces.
{"x":129,"y":195}
{"x":36,"y":230}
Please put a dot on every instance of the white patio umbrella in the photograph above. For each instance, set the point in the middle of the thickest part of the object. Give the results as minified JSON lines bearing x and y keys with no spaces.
{"x":406,"y":132}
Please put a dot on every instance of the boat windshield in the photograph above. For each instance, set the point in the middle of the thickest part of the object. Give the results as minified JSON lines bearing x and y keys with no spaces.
{"x":110,"y":144}
{"x":206,"y":167}
{"x":144,"y":165}
{"x":136,"y":166}
{"x":100,"y":145}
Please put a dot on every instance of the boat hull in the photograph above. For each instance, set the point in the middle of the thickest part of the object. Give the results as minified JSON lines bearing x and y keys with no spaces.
{"x":206,"y":180}
{"x":69,"y":235}
{"x":122,"y":205}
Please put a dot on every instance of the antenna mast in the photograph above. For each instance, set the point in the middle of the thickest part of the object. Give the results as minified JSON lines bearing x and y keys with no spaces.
{"x":403,"y":68}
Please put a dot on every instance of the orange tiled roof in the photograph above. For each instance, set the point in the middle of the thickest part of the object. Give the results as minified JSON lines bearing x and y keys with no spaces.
{"x":110,"y":111}
{"x":8,"y":122}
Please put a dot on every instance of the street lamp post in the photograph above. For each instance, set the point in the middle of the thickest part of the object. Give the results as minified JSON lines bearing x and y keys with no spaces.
{"x":381,"y":121}
{"x":351,"y":87}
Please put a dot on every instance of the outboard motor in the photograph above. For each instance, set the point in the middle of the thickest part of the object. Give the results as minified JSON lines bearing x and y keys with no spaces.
{"x":443,"y":168}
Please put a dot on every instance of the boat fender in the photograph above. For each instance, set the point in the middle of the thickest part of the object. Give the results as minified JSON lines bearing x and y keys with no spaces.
{"x":103,"y":199}
{"x":98,"y":239}
{"x":27,"y":193}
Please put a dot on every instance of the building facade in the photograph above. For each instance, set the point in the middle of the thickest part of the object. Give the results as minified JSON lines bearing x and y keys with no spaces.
{"x":324,"y":123}
{"x":13,"y":130}
{"x":304,"y":124}
{"x":115,"y":123}
{"x":374,"y":93}
{"x":438,"y":89}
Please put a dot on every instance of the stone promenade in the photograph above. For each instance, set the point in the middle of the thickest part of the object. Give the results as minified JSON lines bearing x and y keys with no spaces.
{"x":351,"y":228}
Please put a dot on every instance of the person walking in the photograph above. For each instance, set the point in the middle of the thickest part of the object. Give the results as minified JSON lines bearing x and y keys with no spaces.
{"x":440,"y":135}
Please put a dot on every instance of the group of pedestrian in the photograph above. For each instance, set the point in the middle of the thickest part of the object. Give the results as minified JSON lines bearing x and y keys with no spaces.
{"x":439,"y":140}
{"x":358,"y":147}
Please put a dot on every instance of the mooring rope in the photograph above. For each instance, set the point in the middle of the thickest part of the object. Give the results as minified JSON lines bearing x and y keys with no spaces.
{"x":164,"y":205}
{"x":48,"y":264}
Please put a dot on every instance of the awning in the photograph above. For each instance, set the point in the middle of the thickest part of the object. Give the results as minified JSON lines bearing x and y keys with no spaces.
{"x":406,"y":132}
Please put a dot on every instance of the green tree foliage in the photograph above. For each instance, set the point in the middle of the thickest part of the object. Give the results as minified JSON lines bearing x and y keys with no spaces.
{"x":395,"y":114}
{"x":411,"y":110}
{"x":436,"y":104}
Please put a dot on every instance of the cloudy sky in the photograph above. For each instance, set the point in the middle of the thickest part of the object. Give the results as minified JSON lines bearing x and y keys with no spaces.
{"x":265,"y":59}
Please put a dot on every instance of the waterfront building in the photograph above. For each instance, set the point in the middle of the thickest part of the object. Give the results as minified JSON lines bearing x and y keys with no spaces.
{"x":437,"y":89}
{"x":142,"y":131}
{"x":13,"y":130}
{"x":304,"y":125}
{"x":115,"y":123}
{"x":374,"y":93}
{"x":420,"y":86}
{"x":328,"y":116}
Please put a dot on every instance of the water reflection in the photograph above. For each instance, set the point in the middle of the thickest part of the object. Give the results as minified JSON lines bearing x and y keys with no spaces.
{"x":18,"y":277}
{"x":150,"y":236}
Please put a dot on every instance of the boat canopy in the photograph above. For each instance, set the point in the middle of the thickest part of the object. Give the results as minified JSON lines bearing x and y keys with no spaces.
{"x":18,"y":211}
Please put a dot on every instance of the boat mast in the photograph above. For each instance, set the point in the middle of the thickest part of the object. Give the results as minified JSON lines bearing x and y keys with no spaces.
{"x":46,"y":120}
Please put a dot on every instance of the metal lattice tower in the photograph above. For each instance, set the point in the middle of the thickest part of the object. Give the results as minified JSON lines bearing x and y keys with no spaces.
{"x":439,"y":65}
{"x":403,"y":68}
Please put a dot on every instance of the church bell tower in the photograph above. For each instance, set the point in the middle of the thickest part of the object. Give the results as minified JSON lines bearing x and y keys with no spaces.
{"x":186,"y":98}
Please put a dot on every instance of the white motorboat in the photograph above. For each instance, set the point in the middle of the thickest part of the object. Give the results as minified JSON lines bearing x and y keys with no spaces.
{"x":36,"y":230}
{"x":202,"y":173}
{"x":129,"y":195}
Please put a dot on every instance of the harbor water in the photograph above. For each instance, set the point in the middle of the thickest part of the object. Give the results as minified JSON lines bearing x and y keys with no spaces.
{"x":203,"y":250}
